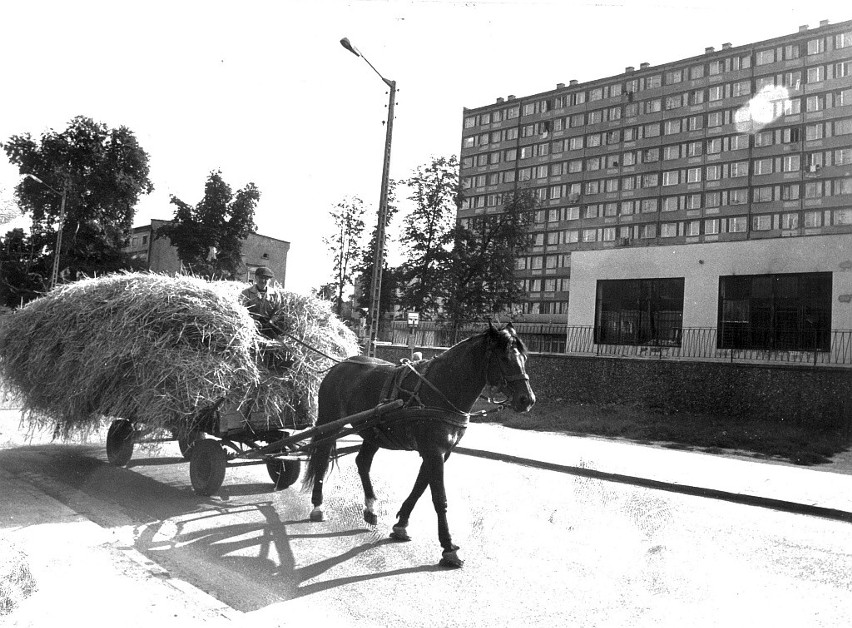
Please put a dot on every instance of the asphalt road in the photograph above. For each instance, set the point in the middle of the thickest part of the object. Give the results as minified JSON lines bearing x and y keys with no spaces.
{"x":542,"y":548}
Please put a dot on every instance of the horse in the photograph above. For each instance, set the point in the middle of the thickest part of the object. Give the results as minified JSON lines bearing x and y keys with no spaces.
{"x":437,"y":396}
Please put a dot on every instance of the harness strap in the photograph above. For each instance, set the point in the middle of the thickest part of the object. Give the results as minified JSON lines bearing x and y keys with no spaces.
{"x":422,"y":380}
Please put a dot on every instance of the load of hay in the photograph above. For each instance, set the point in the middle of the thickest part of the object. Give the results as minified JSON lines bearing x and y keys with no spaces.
{"x":157,"y":350}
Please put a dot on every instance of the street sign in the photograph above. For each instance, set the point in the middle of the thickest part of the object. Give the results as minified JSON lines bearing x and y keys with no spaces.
{"x":413,"y":319}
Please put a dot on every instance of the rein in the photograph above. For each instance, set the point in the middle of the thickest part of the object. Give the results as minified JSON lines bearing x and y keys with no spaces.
{"x":500,"y":405}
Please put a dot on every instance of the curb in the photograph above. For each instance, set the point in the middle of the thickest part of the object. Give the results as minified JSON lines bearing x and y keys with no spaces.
{"x":672,"y":487}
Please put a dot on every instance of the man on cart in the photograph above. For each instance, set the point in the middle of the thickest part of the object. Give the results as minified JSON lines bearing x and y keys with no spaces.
{"x":263,"y":300}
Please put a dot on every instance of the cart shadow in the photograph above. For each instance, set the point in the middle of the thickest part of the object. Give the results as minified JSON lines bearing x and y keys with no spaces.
{"x":261,"y":555}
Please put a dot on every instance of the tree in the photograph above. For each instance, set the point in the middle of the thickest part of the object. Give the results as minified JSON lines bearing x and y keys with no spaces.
{"x":364,"y":268}
{"x":209,"y":236}
{"x":427,"y":233}
{"x":19,"y":283}
{"x":482,"y":263}
{"x":103,"y":172}
{"x":343,"y":245}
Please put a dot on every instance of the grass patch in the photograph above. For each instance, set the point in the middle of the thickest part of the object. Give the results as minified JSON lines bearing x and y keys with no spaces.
{"x":16,"y":579}
{"x":697,"y":432}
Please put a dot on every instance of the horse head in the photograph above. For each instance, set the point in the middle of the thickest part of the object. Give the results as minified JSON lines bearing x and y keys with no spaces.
{"x":506,"y":366}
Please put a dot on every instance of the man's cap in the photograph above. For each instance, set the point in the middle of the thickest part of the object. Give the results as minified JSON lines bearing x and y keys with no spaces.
{"x":263,"y":271}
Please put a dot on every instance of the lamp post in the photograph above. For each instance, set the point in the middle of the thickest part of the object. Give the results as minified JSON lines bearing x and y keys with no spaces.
{"x":64,"y":193}
{"x":378,"y":259}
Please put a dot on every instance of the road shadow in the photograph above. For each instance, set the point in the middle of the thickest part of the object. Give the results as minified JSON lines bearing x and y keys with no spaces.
{"x":241,"y":551}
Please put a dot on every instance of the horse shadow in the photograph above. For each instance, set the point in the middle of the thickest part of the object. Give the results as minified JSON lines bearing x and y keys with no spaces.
{"x":271,"y":573}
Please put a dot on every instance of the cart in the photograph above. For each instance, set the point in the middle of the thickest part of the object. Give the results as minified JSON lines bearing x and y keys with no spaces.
{"x":225,"y":436}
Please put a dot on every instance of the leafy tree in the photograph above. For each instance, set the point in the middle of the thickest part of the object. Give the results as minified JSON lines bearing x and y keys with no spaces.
{"x":482,"y":263}
{"x":343,"y":245}
{"x":209,"y":236}
{"x":102,"y":171}
{"x":19,"y":282}
{"x":364,"y":268}
{"x":427,"y":233}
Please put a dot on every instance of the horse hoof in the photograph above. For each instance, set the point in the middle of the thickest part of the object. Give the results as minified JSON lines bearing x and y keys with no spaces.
{"x":317,"y":515}
{"x":399,"y":534}
{"x":370,"y":517}
{"x":451,"y":559}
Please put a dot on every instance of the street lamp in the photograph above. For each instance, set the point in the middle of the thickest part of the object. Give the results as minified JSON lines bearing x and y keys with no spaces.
{"x":378,"y":260}
{"x":64,"y":193}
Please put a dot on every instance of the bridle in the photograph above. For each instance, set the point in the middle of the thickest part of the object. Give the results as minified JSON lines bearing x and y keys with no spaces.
{"x":502,"y":385}
{"x":505,"y":378}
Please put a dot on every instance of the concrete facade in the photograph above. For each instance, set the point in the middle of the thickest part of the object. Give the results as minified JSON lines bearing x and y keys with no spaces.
{"x":702,"y":265}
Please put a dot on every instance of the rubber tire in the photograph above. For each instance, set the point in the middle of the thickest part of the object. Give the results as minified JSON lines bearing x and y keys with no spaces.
{"x":207,"y":467}
{"x":283,"y":473}
{"x":187,"y":443}
{"x":119,"y":442}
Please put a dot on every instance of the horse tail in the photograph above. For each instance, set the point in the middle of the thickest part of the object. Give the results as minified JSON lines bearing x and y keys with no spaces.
{"x":318,"y":463}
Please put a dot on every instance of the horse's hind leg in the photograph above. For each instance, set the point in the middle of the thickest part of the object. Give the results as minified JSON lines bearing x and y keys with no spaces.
{"x":364,"y":460}
{"x":317,"y":468}
{"x":400,"y":532}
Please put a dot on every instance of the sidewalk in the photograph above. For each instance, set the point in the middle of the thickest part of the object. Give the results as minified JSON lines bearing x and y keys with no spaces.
{"x":93,"y":576}
{"x":795,"y":489}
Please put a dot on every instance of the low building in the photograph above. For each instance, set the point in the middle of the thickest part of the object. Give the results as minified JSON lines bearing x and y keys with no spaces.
{"x":158,"y":255}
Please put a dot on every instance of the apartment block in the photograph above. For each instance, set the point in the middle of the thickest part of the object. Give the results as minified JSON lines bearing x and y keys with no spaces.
{"x":737,"y":161}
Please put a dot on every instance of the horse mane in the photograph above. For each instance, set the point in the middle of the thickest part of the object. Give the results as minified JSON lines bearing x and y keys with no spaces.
{"x":508,"y":337}
{"x":505,"y":336}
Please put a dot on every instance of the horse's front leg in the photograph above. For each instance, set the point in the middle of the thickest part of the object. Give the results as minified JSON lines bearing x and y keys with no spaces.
{"x":400,"y":531}
{"x":364,"y":460}
{"x":434,"y":463}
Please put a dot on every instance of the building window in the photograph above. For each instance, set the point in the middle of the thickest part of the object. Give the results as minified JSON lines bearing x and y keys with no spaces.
{"x":739,"y":169}
{"x":711,"y":226}
{"x":693,"y":228}
{"x":816,"y":46}
{"x":790,"y":312}
{"x":639,"y":311}
{"x":668,"y":230}
{"x":813,"y":219}
{"x":765,"y":57}
{"x":671,"y":177}
{"x":762,"y":222}
{"x":737,"y":224}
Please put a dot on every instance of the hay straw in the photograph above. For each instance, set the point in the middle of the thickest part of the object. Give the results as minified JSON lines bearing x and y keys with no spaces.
{"x":155,"y":349}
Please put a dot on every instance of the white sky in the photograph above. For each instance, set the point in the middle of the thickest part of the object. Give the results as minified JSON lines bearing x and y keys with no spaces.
{"x":264,"y":91}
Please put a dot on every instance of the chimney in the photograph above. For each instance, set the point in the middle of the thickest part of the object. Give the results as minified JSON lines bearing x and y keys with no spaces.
{"x":823,"y":22}
{"x":560,"y":85}
{"x":709,"y":49}
{"x":628,"y":69}
{"x":511,"y":97}
{"x":803,"y":28}
{"x":499,"y":99}
{"x":572,"y":82}
{"x":726,"y":45}
{"x":644,"y":65}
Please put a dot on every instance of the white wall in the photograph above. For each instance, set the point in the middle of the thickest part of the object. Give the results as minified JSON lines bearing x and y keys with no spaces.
{"x":701,"y":265}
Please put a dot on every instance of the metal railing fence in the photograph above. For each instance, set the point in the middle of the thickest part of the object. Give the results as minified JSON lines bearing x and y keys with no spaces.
{"x":692,"y":343}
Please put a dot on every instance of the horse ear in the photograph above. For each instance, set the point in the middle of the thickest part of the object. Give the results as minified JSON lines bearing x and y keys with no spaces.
{"x":491,"y":324}
{"x":510,"y":327}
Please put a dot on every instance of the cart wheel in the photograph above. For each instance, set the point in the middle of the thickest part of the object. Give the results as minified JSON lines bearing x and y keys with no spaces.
{"x":186,"y":443}
{"x":283,"y":472}
{"x":207,"y":466}
{"x":119,"y":442}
